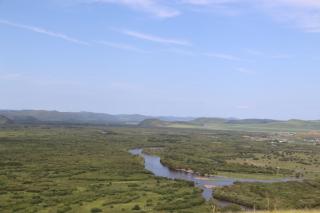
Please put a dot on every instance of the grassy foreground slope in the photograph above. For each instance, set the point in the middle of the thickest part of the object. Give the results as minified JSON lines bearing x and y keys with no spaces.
{"x":84,"y":169}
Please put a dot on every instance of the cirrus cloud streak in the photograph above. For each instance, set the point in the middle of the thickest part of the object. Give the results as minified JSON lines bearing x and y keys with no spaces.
{"x":44,"y":31}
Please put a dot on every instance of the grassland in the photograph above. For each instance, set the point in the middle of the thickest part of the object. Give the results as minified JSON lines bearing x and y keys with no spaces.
{"x":279,"y":126}
{"x":52,"y":168}
{"x":286,"y":211}
{"x":82,"y":169}
{"x":289,"y":195}
{"x":239,"y":154}
{"x":250,"y":155}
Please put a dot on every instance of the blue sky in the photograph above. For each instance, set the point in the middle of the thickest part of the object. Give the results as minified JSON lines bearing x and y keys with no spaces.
{"x":219,"y":58}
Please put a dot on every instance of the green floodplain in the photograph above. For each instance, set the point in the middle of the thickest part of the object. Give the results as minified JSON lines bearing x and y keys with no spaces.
{"x":87,"y":168}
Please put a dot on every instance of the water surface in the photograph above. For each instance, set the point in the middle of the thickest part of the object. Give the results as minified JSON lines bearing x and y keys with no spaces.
{"x":154,"y":165}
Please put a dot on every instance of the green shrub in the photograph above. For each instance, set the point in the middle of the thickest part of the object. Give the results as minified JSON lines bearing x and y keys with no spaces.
{"x":96,"y":210}
{"x":231,"y":208}
{"x":136,"y":208}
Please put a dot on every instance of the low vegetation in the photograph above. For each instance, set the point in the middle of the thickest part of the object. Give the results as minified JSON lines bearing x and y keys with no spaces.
{"x":83,"y":169}
{"x":239,"y":154}
{"x":68,"y":168}
{"x":272,"y":196}
{"x":286,"y":211}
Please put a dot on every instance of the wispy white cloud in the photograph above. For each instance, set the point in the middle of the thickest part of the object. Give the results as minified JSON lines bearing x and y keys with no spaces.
{"x":304,"y":14}
{"x":254,"y":52}
{"x":179,"y":52}
{"x":281,"y":56}
{"x":152,"y":7}
{"x":223,"y":56}
{"x":43,"y":31}
{"x":122,"y":46}
{"x":154,"y":38}
{"x":296,"y":3}
{"x":10,"y":76}
{"x":265,"y":55}
{"x":243,"y":107}
{"x":208,"y":2}
{"x":244,"y":70}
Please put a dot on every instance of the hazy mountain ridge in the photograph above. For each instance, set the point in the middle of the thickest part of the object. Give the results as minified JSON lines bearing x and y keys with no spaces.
{"x":44,"y":116}
{"x":39,"y":116}
{"x":239,"y":124}
{"x":4,"y":120}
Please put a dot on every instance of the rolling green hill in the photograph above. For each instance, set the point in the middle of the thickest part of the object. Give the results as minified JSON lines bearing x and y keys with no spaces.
{"x":45,"y":116}
{"x":260,"y":125}
{"x":32,"y":116}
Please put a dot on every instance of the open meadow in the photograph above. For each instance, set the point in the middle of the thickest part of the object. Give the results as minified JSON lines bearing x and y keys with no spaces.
{"x":70,"y":168}
{"x":80,"y":169}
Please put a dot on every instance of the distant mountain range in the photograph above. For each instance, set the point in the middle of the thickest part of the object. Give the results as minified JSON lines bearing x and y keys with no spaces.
{"x":47,"y":117}
{"x":44,"y":116}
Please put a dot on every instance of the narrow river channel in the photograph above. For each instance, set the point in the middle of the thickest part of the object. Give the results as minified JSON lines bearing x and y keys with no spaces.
{"x":207,"y":184}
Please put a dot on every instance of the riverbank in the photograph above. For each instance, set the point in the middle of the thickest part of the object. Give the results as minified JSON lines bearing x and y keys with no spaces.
{"x":233,"y":175}
{"x":253,"y":176}
{"x":79,"y":170}
{"x":207,"y":183}
{"x":236,"y":177}
{"x":238,"y":155}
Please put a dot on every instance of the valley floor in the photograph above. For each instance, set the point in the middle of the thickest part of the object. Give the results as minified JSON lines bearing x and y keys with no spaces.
{"x":65,"y":168}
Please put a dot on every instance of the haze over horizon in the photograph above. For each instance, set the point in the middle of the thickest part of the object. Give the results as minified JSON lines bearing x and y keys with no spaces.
{"x":159,"y":116}
{"x":198,"y":58}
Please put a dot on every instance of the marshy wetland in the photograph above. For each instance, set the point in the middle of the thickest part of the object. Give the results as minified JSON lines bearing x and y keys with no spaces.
{"x":206,"y":183}
{"x":78,"y":168}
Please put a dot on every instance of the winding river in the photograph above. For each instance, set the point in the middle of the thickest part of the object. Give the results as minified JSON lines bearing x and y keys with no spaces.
{"x":154,"y":165}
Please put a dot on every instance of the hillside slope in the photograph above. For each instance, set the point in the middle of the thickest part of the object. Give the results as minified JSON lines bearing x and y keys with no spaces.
{"x":4,"y":120}
{"x":45,"y":116}
{"x":55,"y":116}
